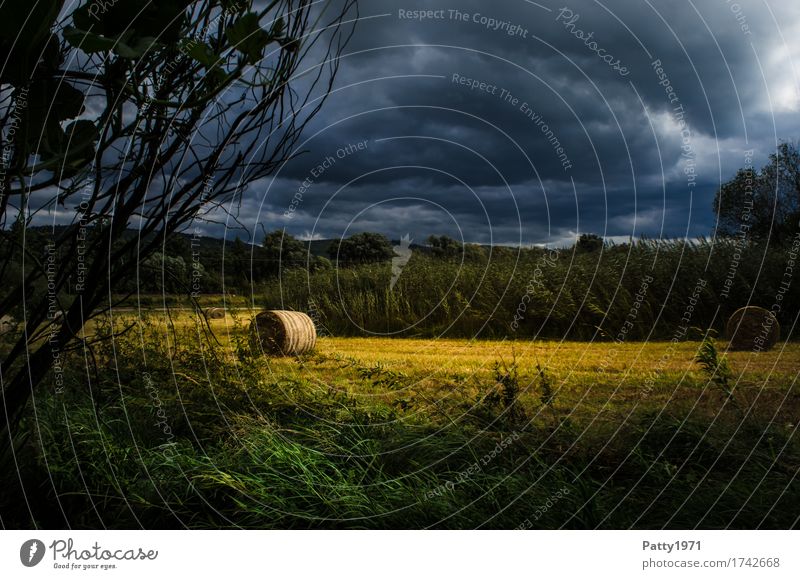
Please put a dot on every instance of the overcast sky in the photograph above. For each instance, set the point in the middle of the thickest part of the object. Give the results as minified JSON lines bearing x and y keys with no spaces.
{"x":515,"y":121}
{"x":577,"y":127}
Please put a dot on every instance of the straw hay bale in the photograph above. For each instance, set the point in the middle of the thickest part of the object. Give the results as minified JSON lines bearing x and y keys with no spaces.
{"x":283,"y":333}
{"x":752,"y":328}
{"x":215,"y":313}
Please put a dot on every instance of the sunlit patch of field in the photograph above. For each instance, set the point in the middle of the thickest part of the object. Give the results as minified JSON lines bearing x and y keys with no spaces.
{"x":578,"y":358}
{"x":595,"y":381}
{"x":464,"y":356}
{"x":590,"y":379}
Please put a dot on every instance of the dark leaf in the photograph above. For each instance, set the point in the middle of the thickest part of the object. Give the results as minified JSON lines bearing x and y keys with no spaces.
{"x":248,"y":37}
{"x":88,"y":42}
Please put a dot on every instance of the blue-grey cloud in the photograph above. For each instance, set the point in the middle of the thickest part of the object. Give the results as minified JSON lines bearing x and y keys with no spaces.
{"x":516,"y":120}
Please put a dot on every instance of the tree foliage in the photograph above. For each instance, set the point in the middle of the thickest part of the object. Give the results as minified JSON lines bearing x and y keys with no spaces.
{"x":364,"y":247}
{"x":283,"y":250}
{"x":150,"y":115}
{"x":588,"y":243}
{"x":763,"y":205}
{"x":444,"y":246}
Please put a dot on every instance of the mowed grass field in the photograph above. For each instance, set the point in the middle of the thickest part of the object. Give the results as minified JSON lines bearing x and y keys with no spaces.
{"x":590,"y":380}
{"x":185,"y":424}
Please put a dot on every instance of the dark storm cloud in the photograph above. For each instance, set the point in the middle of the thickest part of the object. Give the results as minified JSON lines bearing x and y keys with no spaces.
{"x":587,"y":145}
{"x":566,"y":135}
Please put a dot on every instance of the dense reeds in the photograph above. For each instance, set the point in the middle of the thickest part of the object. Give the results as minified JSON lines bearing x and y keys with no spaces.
{"x":643,"y":290}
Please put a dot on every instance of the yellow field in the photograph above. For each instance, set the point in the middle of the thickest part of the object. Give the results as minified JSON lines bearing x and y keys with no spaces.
{"x":593,"y":358}
{"x":590,"y":379}
{"x":579,"y":358}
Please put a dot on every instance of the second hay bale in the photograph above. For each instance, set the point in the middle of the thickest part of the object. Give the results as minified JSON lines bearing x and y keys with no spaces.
{"x":283,"y":333}
{"x":752,"y":328}
{"x":215,"y":313}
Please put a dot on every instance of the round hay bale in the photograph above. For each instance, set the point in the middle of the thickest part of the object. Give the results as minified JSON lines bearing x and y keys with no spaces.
{"x":283,"y":333}
{"x":752,"y":328}
{"x":215,"y":313}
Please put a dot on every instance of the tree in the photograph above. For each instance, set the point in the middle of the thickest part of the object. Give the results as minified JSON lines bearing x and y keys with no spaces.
{"x":444,"y":246}
{"x":164,"y":274}
{"x":283,"y":251}
{"x":238,"y":263}
{"x":179,"y":246}
{"x":588,"y":243}
{"x":362,"y":248}
{"x":763,"y":205}
{"x":138,"y":114}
